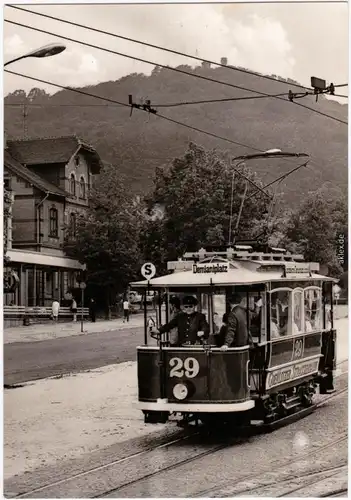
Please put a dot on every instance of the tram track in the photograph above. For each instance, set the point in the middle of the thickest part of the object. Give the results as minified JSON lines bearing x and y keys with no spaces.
{"x":91,"y":483}
{"x":119,"y":490}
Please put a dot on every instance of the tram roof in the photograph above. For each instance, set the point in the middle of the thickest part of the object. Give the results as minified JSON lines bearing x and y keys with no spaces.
{"x":234,"y":276}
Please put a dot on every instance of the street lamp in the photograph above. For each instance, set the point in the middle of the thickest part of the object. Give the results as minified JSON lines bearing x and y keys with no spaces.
{"x":48,"y":50}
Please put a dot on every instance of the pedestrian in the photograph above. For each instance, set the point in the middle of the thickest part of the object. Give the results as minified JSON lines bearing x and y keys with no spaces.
{"x":74,"y":309}
{"x":125,"y":309}
{"x":55,"y":309}
{"x":92,"y":310}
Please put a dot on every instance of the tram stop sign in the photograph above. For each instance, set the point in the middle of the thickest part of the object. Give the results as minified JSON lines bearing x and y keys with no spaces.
{"x":148,"y":270}
{"x":82,"y":285}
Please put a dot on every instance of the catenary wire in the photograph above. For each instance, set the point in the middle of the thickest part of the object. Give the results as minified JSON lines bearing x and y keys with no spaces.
{"x":169,"y":105}
{"x":129,"y":106}
{"x":163,"y":66}
{"x":146,"y":44}
{"x":93,"y":46}
{"x":117,"y":103}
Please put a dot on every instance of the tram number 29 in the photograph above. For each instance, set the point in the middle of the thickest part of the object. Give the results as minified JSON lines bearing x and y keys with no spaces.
{"x":189,"y":367}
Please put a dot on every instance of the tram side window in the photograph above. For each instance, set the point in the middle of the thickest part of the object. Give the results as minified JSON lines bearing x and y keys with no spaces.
{"x":298,"y":326}
{"x":313,"y":309}
{"x":280,"y":313}
{"x":257,"y":316}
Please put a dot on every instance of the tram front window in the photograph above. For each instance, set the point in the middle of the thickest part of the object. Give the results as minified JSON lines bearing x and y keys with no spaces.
{"x":187,"y":325}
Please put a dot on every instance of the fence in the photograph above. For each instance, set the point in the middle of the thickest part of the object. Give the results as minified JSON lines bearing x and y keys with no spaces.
{"x":18,"y":315}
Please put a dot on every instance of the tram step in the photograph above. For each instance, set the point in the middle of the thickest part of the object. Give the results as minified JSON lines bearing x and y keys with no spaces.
{"x":292,"y":402}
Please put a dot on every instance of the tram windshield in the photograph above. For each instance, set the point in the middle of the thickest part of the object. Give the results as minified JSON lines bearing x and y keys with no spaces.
{"x":214,"y":306}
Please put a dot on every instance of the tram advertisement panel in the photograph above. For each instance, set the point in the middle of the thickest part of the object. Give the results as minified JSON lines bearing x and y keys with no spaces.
{"x":291,"y":372}
{"x":287,"y":350}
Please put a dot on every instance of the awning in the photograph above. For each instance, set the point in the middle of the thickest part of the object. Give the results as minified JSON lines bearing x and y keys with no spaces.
{"x":42,"y":259}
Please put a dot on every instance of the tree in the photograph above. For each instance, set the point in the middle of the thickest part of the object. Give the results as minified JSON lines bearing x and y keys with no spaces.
{"x":312,"y":229}
{"x":195,"y":193}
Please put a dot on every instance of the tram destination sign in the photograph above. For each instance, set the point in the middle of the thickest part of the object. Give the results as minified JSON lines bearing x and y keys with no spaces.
{"x":211,"y":267}
{"x":297,"y":268}
{"x":292,"y":372}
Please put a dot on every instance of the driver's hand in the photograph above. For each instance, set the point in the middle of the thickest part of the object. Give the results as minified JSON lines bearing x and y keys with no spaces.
{"x":224,"y":347}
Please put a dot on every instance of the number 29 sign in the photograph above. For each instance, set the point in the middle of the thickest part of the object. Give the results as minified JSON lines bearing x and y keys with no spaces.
{"x":188,"y":367}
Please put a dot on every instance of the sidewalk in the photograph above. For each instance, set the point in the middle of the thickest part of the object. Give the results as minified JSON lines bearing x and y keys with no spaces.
{"x":35,"y":333}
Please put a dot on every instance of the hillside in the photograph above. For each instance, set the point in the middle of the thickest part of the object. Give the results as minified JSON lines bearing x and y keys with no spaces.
{"x":138,"y":144}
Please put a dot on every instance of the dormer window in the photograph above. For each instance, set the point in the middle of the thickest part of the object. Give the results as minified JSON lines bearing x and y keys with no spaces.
{"x":82,"y":188}
{"x":72,"y":185}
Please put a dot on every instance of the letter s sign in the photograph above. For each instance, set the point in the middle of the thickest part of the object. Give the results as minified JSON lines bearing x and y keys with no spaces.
{"x":148,"y":270}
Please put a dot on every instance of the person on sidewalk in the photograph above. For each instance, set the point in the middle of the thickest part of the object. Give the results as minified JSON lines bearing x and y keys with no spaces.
{"x":74,"y":309}
{"x":125,"y":309}
{"x":92,"y":310}
{"x":55,"y":309}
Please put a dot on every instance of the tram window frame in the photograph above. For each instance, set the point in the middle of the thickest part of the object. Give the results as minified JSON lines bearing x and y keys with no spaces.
{"x":319,"y":311}
{"x":295,"y":330}
{"x":289,"y":322}
{"x":328,"y":306}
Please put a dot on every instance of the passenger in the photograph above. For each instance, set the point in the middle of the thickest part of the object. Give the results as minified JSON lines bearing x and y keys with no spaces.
{"x":188,"y":322}
{"x":274,"y":329}
{"x":220,"y":337}
{"x":237,"y":332}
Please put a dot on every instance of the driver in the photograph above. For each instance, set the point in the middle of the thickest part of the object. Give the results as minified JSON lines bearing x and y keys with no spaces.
{"x":188,"y":322}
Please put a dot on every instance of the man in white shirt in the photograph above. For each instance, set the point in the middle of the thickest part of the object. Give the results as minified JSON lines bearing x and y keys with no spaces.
{"x":125,"y":309}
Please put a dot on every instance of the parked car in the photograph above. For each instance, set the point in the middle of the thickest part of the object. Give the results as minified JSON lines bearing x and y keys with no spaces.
{"x":135,"y":297}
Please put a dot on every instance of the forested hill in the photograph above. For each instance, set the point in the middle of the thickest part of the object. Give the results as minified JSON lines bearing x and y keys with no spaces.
{"x":139,"y":143}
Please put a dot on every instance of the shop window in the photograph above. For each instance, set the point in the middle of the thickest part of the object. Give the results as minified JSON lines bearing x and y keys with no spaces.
{"x":82,"y":188}
{"x":313,"y":308}
{"x":281,"y":308}
{"x":72,"y":184}
{"x":53,"y":222}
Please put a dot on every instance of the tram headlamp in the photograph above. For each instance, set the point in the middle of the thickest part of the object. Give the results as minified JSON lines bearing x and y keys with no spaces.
{"x":180,"y":391}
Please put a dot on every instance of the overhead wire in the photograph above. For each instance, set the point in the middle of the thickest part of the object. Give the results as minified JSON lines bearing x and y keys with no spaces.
{"x":165,"y":67}
{"x":120,"y":104}
{"x":135,"y":58}
{"x":158,"y":47}
{"x":130,"y":107}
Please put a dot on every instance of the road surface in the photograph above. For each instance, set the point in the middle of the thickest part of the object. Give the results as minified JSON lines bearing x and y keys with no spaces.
{"x":25,"y":361}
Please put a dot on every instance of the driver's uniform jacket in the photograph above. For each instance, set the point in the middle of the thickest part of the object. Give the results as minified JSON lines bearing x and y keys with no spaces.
{"x":188,"y":325}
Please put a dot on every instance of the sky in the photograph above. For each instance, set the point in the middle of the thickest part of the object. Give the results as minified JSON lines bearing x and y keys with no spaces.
{"x":295,"y":40}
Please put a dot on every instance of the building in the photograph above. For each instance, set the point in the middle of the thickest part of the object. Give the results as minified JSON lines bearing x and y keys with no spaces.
{"x":49,"y":179}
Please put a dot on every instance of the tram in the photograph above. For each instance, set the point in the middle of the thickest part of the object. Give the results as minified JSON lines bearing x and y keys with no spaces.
{"x":289,"y":353}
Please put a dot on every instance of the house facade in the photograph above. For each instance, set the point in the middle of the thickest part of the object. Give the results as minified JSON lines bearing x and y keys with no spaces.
{"x":49,"y":179}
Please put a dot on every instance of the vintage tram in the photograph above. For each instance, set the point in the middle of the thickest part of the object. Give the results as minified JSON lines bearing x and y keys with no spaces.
{"x":290,"y":354}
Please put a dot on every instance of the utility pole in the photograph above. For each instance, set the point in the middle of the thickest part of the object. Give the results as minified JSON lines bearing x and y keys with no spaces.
{"x":25,"y":114}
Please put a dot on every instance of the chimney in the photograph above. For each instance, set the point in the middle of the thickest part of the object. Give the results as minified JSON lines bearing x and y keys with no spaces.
{"x":224,"y":61}
{"x":206,"y":65}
